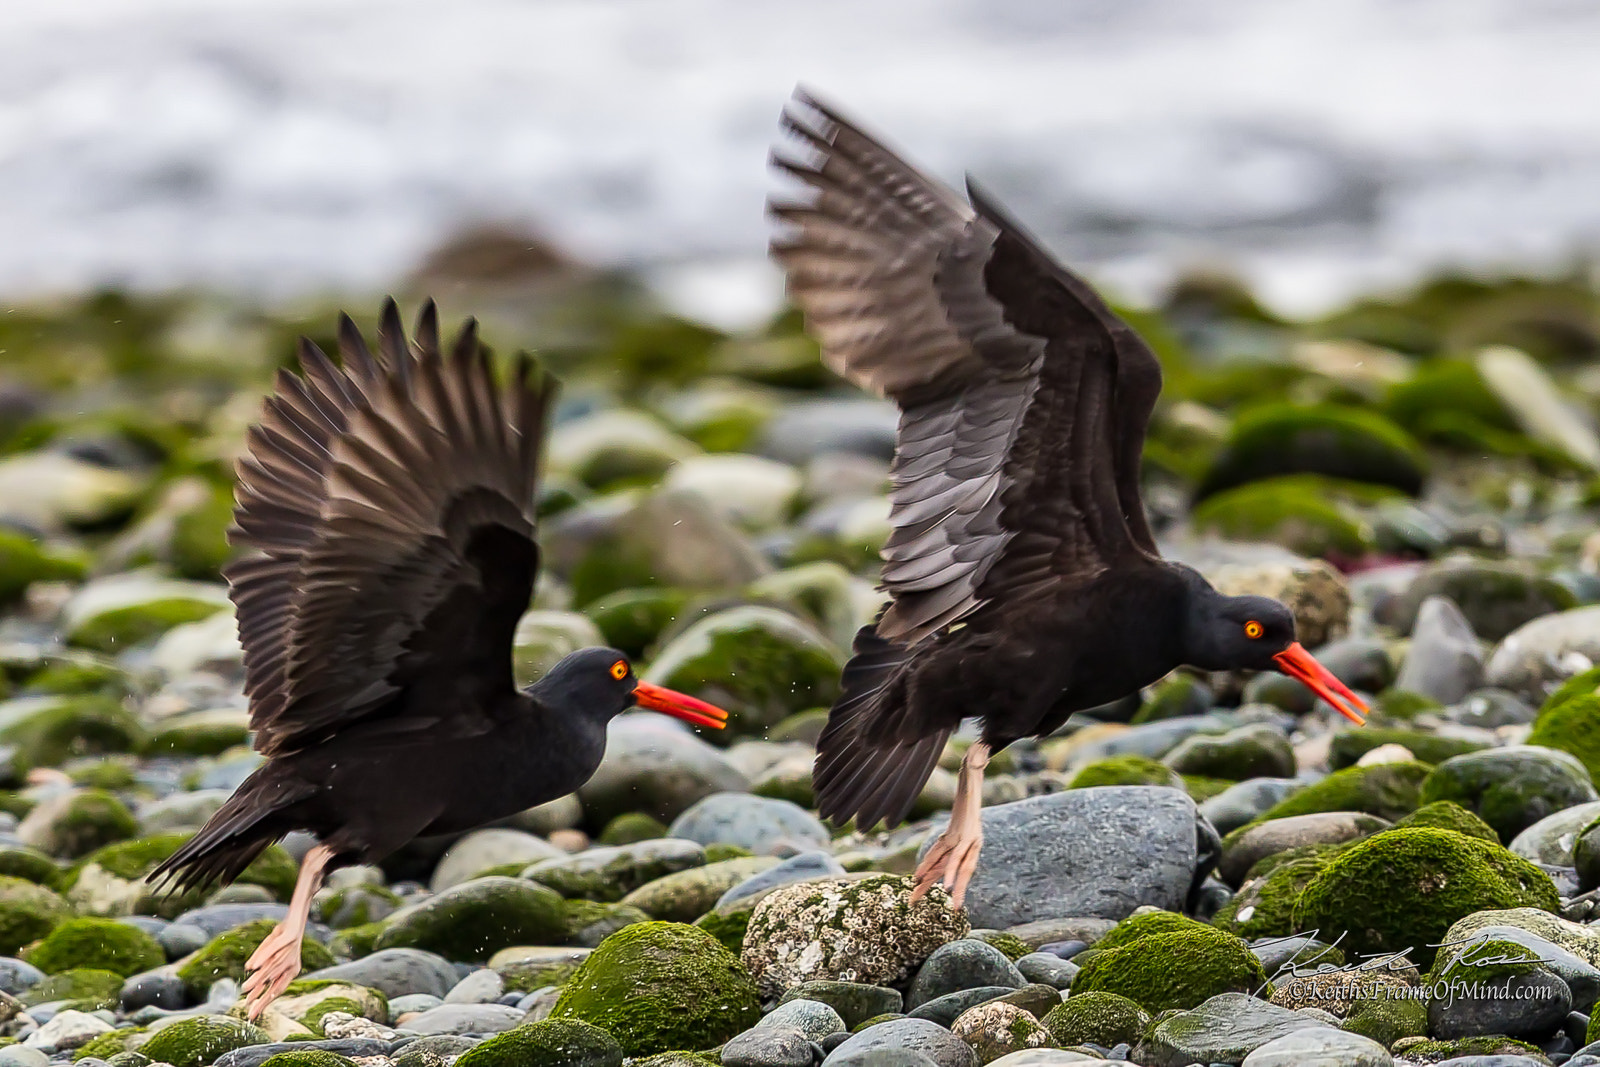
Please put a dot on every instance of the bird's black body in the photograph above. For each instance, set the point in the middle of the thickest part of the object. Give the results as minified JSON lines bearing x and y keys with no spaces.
{"x":1024,"y":580}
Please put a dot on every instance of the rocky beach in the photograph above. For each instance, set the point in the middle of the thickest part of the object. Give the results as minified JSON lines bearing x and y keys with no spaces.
{"x":1217,"y":872}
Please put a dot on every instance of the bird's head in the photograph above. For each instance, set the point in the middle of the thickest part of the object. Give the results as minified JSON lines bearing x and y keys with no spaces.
{"x":1257,"y":633}
{"x":600,"y":682}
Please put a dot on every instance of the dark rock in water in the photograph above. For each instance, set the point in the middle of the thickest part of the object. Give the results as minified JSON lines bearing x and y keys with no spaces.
{"x":799,"y":868}
{"x":1066,"y":854}
{"x":856,"y":1002}
{"x":351,"y":1047}
{"x":945,"y":1009}
{"x":152,"y":988}
{"x":1444,"y":661}
{"x":1239,"y":803}
{"x":396,"y":972}
{"x":1226,"y":1029}
{"x":937,"y":1044}
{"x":963,"y":964}
{"x":1511,"y":788}
{"x":755,"y":823}
{"x":776,"y":1046}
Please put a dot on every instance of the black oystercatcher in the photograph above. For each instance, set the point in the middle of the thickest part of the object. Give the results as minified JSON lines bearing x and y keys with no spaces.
{"x":1024,"y":581}
{"x":389,"y":507}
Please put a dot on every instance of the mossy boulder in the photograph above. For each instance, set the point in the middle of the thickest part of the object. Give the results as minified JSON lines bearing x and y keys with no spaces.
{"x":308,"y":1057}
{"x":1125,"y":770}
{"x":1350,"y":745}
{"x":589,"y":922}
{"x":1179,"y":969}
{"x":20,"y":861}
{"x":728,"y":924}
{"x":473,"y":920}
{"x":661,"y":986}
{"x":27,"y":913}
{"x":1106,"y":1019}
{"x":111,"y":880}
{"x":611,"y":873}
{"x":1582,"y":684}
{"x":1448,"y":815}
{"x":1175,"y":696}
{"x":1290,"y":511}
{"x":1571,"y":726}
{"x":551,"y":1043}
{"x":224,"y":956}
{"x":86,"y":988}
{"x":357,"y":905}
{"x":118,"y":613}
{"x":104,"y":944}
{"x":1511,"y":788}
{"x":1146,"y":923}
{"x":1495,"y":596}
{"x":84,"y":725}
{"x":1338,"y":442}
{"x":632,"y":619}
{"x":76,"y":823}
{"x":1387,"y":790}
{"x":306,"y":1001}
{"x":24,"y":561}
{"x":1459,"y":1048}
{"x":1403,"y":888}
{"x":201,"y":733}
{"x":630,"y":828}
{"x":201,"y":1040}
{"x":1254,"y":751}
{"x":526,"y":969}
{"x":687,"y":895}
{"x":108,"y":1045}
{"x":759,"y":663}
{"x":1387,"y":1020}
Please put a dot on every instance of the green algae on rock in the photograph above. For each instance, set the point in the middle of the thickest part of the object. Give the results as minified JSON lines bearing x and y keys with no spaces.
{"x":1511,"y":788}
{"x":1350,"y":745}
{"x":1403,"y":889}
{"x":85,"y":988}
{"x":1289,"y":512}
{"x":27,"y":913}
{"x":630,"y":828}
{"x":1176,"y":695}
{"x":308,"y":1057}
{"x":1338,"y":442}
{"x":688,"y":894}
{"x":1107,"y":1019}
{"x":24,"y":561}
{"x":1125,"y":770}
{"x":551,"y":1043}
{"x":78,"y":822}
{"x":224,"y":956}
{"x":1264,"y":905}
{"x":110,"y":880}
{"x":1179,"y":969}
{"x":1571,"y":725}
{"x":1460,"y":1047}
{"x":1254,"y":751}
{"x":108,"y":1045}
{"x":1387,"y":1019}
{"x":80,"y":725}
{"x":1146,"y":923}
{"x":1387,"y":790}
{"x":661,"y":986}
{"x":632,"y":619}
{"x":1448,"y":815}
{"x":201,"y":1040}
{"x":473,"y":920}
{"x":99,"y":943}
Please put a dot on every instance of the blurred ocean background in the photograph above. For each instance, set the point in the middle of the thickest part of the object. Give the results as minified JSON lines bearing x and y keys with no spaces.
{"x":1317,"y":148}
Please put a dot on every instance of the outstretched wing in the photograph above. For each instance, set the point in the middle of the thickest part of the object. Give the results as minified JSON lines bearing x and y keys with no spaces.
{"x":388,"y":504}
{"x":1024,"y":400}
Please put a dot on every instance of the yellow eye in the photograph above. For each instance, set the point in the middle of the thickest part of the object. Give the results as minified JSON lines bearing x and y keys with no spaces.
{"x":1253,"y":629}
{"x":619,"y":669}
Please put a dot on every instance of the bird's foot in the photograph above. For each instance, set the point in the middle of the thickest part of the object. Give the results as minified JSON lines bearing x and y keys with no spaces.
{"x":952,"y":860}
{"x":270,"y":969}
{"x":48,"y":776}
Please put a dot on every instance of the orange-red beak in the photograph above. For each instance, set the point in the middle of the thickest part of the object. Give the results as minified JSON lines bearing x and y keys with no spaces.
{"x":679,"y":705}
{"x":1299,"y":664}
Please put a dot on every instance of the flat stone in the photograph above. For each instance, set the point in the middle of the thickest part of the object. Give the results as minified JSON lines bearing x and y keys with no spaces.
{"x":1048,"y":968}
{"x":466,"y":1019}
{"x":904,"y":1035}
{"x":963,"y":964}
{"x":395,"y":972}
{"x":1539,"y":654}
{"x":656,"y":768}
{"x":1320,"y":1047}
{"x":1553,"y":838}
{"x":801,"y":868}
{"x":946,"y":1009}
{"x":752,"y":822}
{"x":855,"y":1002}
{"x":812,"y":1018}
{"x":775,"y":1046}
{"x":350,"y":1047}
{"x":482,"y":850}
{"x":1280,"y":835}
{"x":1226,"y":1029}
{"x":483,"y":986}
{"x":1087,"y":929}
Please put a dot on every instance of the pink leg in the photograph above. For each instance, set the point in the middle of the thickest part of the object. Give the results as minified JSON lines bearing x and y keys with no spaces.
{"x":275,"y":963}
{"x":954,"y":857}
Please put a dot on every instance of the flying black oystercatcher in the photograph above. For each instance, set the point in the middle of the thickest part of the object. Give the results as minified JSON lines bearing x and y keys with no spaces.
{"x":389,"y":507}
{"x":1024,"y":581}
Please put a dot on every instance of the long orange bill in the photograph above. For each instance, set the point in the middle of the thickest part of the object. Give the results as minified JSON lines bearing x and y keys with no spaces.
{"x":679,"y":705}
{"x":1299,"y":664}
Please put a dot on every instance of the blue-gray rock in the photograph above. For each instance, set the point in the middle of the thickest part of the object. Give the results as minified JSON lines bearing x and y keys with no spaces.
{"x":1543,"y":780}
{"x":1320,"y":1047}
{"x":856,"y":1002}
{"x":431,"y":1051}
{"x":1225,"y":1029}
{"x":904,"y":1035}
{"x":395,"y":972}
{"x":256,"y":1055}
{"x":794,"y":869}
{"x":1499,"y":1060}
{"x":1243,"y":801}
{"x":217,"y":919}
{"x":880,"y":1057}
{"x":946,"y":1009}
{"x":810,"y":428}
{"x":159,"y":989}
{"x":22,"y":1056}
{"x":1582,"y":978}
{"x":1048,"y":968}
{"x":1530,"y":1006}
{"x":1295,"y":831}
{"x":755,"y":823}
{"x":399,"y":1006}
{"x":1067,"y":854}
{"x":1538,"y":654}
{"x":150,"y":924}
{"x":812,"y":1018}
{"x":1359,"y":662}
{"x":482,"y":986}
{"x":179,"y":939}
{"x":1276,"y":953}
{"x":18,"y":976}
{"x":655,"y":768}
{"x":966,"y":963}
{"x":1552,"y":840}
{"x":1490,"y":709}
{"x":773,"y":1046}
{"x":465,"y":1019}
{"x":1444,"y":661}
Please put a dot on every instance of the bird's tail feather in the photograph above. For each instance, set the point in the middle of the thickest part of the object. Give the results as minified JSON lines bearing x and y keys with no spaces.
{"x":864,"y":772}
{"x":232,"y":838}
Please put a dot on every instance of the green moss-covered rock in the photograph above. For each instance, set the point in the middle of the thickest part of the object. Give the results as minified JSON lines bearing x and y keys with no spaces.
{"x":1338,"y":442}
{"x":1146,"y":924}
{"x":78,"y":673}
{"x":1387,"y":790}
{"x":1173,"y":697}
{"x":73,"y":824}
{"x":111,"y":880}
{"x":589,"y":922}
{"x":1202,"y":789}
{"x":357,"y":905}
{"x":201,"y":1040}
{"x":1582,"y":684}
{"x":1387,"y":1020}
{"x":357,"y":941}
{"x":87,"y":988}
{"x":1401,"y":705}
{"x":1459,"y":1047}
{"x":85,"y":725}
{"x":307,"y":1000}
{"x":1350,"y":745}
{"x":224,"y":956}
{"x":108,"y":1045}
{"x":758,"y":663}
{"x":662,"y":986}
{"x":471,"y":921}
{"x":1403,"y":888}
{"x":1448,"y":815}
{"x":632,"y":619}
{"x":551,"y":1043}
{"x":1105,"y":1019}
{"x":630,"y":828}
{"x":1173,"y":970}
{"x":729,"y":926}
{"x":1573,"y":727}
{"x":24,"y":561}
{"x":1511,"y":788}
{"x":611,"y":873}
{"x":687,"y":895}
{"x":100,"y":943}
{"x":1254,"y":751}
{"x":309,"y":1057}
{"x":1264,"y":905}
{"x":1011,"y":946}
{"x":1290,"y":511}
{"x":1125,"y":770}
{"x":204,"y":733}
{"x":117,"y":628}
{"x":20,"y":861}
{"x":27,"y":913}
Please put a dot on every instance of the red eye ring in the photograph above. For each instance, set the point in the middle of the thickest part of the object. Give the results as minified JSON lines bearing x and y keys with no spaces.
{"x":1253,"y":629}
{"x":619,"y":669}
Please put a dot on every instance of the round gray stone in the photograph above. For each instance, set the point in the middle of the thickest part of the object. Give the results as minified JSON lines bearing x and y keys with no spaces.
{"x":812,"y":1018}
{"x":959,"y":965}
{"x":772,"y":1046}
{"x":395,"y":972}
{"x":1048,"y":968}
{"x":755,"y":823}
{"x":1321,"y":1047}
{"x":904,"y":1035}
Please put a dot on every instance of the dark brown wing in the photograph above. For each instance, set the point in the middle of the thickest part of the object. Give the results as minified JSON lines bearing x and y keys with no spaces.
{"x":959,"y":317}
{"x":389,"y":507}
